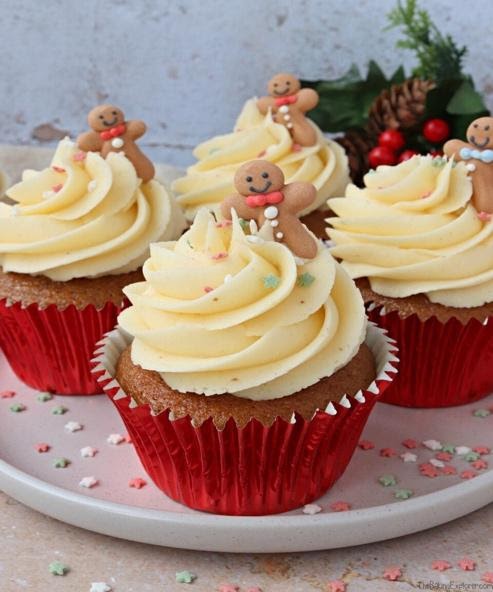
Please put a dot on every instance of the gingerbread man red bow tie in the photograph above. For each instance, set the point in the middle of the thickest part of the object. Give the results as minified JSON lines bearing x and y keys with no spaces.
{"x":113,"y":132}
{"x":285,"y":100}
{"x":259,"y":200}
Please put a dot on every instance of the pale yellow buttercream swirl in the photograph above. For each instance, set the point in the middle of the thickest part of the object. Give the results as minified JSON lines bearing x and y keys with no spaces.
{"x":210,"y":180}
{"x":84,"y":216}
{"x":413,"y":229}
{"x":220,"y":314}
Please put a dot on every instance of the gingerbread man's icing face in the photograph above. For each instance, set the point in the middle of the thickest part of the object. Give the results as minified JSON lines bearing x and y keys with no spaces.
{"x":105,"y":117}
{"x":257,"y":177}
{"x":283,"y":85}
{"x":480,"y":133}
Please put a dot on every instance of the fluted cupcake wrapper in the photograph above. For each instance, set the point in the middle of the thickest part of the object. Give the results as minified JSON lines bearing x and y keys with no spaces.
{"x":50,"y":349}
{"x":255,"y":469}
{"x":441,"y":364}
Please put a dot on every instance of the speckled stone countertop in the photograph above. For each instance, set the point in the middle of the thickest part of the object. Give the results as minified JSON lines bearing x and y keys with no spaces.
{"x":29,"y":542}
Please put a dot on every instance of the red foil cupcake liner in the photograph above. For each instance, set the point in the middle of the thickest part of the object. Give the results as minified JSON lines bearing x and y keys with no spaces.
{"x":251,"y":470}
{"x":50,"y":349}
{"x":441,"y":364}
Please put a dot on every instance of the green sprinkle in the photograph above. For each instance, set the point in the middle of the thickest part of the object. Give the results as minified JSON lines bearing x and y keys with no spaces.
{"x":61,"y":463}
{"x":212,"y":150}
{"x":58,"y":569}
{"x":305,"y":279}
{"x":43,"y":397}
{"x":17,"y":408}
{"x":387,"y":480}
{"x":403,"y":494}
{"x":439,"y":161}
{"x":245,"y":225}
{"x":271,"y":281}
{"x":190,"y":245}
{"x":185,"y":577}
{"x":448,"y":448}
{"x":471,"y":456}
{"x":481,"y":412}
{"x":59,"y":410}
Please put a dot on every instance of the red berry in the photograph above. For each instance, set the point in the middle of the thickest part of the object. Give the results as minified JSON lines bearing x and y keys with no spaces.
{"x":407,"y":154}
{"x":392,"y":139}
{"x":436,"y":131}
{"x":381,"y":155}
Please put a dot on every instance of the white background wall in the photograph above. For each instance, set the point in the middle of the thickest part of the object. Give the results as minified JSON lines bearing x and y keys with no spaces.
{"x":186,"y":67}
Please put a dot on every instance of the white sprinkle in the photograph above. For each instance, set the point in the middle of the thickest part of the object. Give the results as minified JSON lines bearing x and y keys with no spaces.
{"x":471,"y":167}
{"x":433,"y":444}
{"x":437,"y":463}
{"x":311,"y":509}
{"x":462,"y":450}
{"x":115,"y":439}
{"x":91,"y":186}
{"x":88,"y":482}
{"x":100,"y":587}
{"x":409,"y":457}
{"x":73,"y":426}
{"x":88,"y":451}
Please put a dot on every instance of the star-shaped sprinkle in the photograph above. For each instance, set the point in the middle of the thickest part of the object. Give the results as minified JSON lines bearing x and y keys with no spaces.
{"x":448,"y":448}
{"x":449,"y":470}
{"x":428,"y":470}
{"x":185,"y":577}
{"x":445,"y":456}
{"x":115,"y":439}
{"x":433,"y":444}
{"x":228,"y":588}
{"x":481,"y":412}
{"x":311,"y":509}
{"x":409,"y":457}
{"x":57,"y":568}
{"x":340,"y":506}
{"x":468,"y":474}
{"x":487,"y":577}
{"x":387,"y":480}
{"x":42,"y":447}
{"x":471,"y":456}
{"x":482,"y":449}
{"x":17,"y":408}
{"x":366,"y":445}
{"x":7,"y":394}
{"x":88,"y":482}
{"x":441,"y":565}
{"x":388,"y":452}
{"x":462,"y":450}
{"x":304,"y":280}
{"x":271,"y":281}
{"x":44,"y":397}
{"x":479,"y":464}
{"x":410,"y":443}
{"x":73,"y":426}
{"x":59,"y":410}
{"x":336,"y":586}
{"x":439,"y":464}
{"x":392,"y":573}
{"x":137,"y":483}
{"x":467,"y":564}
{"x":100,"y":587}
{"x":403,"y":494}
{"x":61,"y":463}
{"x":88,"y":452}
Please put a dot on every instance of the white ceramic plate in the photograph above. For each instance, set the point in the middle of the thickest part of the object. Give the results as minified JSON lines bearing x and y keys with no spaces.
{"x":146,"y":515}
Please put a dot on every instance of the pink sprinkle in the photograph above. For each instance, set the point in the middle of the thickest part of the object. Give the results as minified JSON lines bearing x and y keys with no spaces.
{"x":479,"y":464}
{"x":208,"y":289}
{"x":410,"y":443}
{"x":428,"y":470}
{"x":388,"y":452}
{"x":58,"y":169}
{"x":425,"y":195}
{"x":482,"y":449}
{"x":296,"y":148}
{"x":366,"y":445}
{"x":445,"y":456}
{"x":468,"y":475}
{"x":7,"y":394}
{"x":218,"y":256}
{"x":467,"y":564}
{"x":449,"y":470}
{"x":263,"y":153}
{"x":340,"y":506}
{"x":223,"y":223}
{"x":336,"y":586}
{"x":484,"y":216}
{"x":42,"y":447}
{"x":56,"y":188}
{"x":79,"y":156}
{"x":487,"y":577}
{"x":441,"y":565}
{"x":228,"y":588}
{"x":137,"y":483}
{"x":392,"y":573}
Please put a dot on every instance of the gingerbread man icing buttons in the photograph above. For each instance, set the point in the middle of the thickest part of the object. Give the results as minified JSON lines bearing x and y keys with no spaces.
{"x":263,"y":197}
{"x":477,"y":153}
{"x":288,"y":103}
{"x":111,"y":133}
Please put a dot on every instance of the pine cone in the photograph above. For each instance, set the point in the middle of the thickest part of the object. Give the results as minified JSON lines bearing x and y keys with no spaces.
{"x":357,"y":143}
{"x":400,"y":107}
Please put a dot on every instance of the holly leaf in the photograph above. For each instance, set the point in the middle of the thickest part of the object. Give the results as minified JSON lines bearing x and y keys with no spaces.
{"x":466,"y":100}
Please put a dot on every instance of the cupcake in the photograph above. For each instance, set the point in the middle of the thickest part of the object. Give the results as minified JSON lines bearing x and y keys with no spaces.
{"x":78,"y":232}
{"x":274,"y":128}
{"x":422,"y":255}
{"x":243,"y":375}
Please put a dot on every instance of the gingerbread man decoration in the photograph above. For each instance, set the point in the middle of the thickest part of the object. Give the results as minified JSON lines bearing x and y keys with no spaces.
{"x":288,"y":103}
{"x":111,"y":133}
{"x":478,"y":154}
{"x":262,"y":196}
